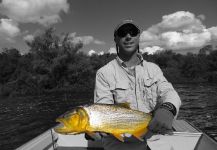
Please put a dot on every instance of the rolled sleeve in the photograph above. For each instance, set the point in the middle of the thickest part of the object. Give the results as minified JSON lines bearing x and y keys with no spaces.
{"x":102,"y":92}
{"x":166,"y":92}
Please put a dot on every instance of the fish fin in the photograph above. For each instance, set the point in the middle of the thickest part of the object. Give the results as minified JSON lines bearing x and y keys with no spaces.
{"x":119,"y":137}
{"x":125,"y":105}
{"x":140,"y":133}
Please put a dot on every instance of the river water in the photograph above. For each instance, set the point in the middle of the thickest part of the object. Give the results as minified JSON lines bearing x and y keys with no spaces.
{"x":21,"y":119}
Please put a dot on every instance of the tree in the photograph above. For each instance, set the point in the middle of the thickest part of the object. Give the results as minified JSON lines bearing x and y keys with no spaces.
{"x":46,"y":45}
{"x":206,"y":50}
{"x":8,"y":64}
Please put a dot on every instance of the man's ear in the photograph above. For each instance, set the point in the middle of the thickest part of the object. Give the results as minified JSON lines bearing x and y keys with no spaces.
{"x":115,"y":39}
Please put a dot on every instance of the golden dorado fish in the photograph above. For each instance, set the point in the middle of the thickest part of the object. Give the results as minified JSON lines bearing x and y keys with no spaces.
{"x":107,"y":118}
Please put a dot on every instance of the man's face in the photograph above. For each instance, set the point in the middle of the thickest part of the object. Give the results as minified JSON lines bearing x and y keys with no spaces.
{"x":127,"y":39}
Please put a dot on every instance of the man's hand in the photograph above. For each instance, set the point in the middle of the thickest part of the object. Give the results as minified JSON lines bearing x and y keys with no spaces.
{"x":95,"y":136}
{"x":162,"y":121}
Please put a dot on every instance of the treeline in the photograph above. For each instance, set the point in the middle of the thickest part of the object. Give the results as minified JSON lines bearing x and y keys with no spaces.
{"x":54,"y":63}
{"x":189,"y":68}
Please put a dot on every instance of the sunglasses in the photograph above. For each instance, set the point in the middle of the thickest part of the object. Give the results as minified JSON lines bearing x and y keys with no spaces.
{"x":123,"y":31}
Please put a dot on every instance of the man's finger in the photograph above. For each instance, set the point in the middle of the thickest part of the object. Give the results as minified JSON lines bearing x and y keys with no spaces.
{"x":167,"y":132}
{"x":152,"y":125}
{"x":103,"y":134}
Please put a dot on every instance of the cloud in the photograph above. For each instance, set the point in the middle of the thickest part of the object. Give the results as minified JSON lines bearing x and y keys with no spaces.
{"x":28,"y":38}
{"x":213,"y":31}
{"x":151,"y":50}
{"x":44,"y":12}
{"x":202,"y":17}
{"x":177,"y":40}
{"x":8,"y":29}
{"x":93,"y":52}
{"x":112,"y":50}
{"x":98,"y":42}
{"x":84,"y":39}
{"x":181,"y":21}
{"x":177,"y":31}
{"x":101,"y":53}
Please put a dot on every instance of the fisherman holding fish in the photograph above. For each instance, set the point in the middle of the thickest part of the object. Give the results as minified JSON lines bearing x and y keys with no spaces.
{"x":131,"y":79}
{"x":132,"y":99}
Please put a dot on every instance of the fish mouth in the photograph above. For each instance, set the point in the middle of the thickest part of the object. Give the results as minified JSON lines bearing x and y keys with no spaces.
{"x":60,"y":128}
{"x":63,"y":127}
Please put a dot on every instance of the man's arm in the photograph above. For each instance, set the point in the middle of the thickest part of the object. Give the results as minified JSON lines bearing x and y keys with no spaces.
{"x":169,"y":105}
{"x":166,"y":92}
{"x":102,"y":92}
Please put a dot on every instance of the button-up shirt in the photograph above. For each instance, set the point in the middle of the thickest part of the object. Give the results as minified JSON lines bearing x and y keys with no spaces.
{"x":143,"y":86}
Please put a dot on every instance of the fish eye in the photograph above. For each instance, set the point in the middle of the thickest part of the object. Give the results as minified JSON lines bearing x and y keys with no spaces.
{"x":68,"y":114}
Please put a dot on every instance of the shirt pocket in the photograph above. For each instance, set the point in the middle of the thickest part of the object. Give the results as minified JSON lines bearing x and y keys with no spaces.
{"x":122,"y":92}
{"x":150,"y":93}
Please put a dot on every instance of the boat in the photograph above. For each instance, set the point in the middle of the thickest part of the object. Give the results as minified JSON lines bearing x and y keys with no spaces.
{"x":185,"y":137}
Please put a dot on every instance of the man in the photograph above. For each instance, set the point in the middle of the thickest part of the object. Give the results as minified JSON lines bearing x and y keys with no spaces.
{"x":129,"y":78}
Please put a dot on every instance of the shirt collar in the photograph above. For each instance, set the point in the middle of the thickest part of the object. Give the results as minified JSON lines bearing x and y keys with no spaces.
{"x":121,"y":62}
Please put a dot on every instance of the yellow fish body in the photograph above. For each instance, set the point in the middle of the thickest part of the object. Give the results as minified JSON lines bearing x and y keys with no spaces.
{"x":112,"y":119}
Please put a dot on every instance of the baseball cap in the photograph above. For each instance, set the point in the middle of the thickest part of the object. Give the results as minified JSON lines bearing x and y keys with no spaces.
{"x":126,"y":23}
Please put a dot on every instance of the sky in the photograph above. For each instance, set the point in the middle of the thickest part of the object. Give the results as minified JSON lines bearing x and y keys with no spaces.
{"x":179,"y":25}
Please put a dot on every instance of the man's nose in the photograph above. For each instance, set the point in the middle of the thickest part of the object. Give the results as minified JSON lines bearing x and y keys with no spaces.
{"x":128,"y":36}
